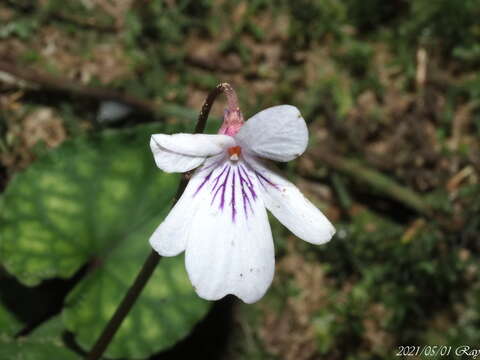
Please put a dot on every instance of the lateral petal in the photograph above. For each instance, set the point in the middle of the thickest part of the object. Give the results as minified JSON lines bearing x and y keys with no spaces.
{"x":172,"y":162}
{"x":194,"y":144}
{"x":291,"y":207}
{"x":170,"y":237}
{"x":184,"y":152}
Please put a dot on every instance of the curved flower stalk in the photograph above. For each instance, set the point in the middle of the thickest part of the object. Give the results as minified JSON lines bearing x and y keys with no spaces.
{"x":220,"y":221}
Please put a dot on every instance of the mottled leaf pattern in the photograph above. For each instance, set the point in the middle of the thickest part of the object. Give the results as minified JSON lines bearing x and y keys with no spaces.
{"x":96,"y":202}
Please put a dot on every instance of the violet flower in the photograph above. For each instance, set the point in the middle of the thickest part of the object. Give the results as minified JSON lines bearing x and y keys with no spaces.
{"x":220,"y":221}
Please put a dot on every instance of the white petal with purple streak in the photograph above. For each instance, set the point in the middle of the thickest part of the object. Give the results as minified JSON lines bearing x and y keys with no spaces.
{"x":291,"y":207}
{"x":170,"y":238}
{"x":230,"y":247}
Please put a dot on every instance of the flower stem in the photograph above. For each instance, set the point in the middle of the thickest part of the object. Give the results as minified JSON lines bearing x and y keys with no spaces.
{"x":125,"y":306}
{"x":232,"y":102}
{"x":151,"y":262}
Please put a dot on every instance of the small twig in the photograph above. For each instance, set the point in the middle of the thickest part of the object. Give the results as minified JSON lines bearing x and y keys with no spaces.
{"x":149,"y":266}
{"x":376,"y":180}
{"x":53,"y":83}
{"x":57,"y":84}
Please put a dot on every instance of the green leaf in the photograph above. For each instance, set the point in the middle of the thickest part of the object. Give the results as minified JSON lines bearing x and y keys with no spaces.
{"x":165,"y":312}
{"x":43,"y":344}
{"x":8,"y":324}
{"x":97,"y":201}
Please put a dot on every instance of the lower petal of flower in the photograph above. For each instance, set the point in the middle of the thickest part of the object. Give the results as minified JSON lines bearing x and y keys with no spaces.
{"x":222,"y":224}
{"x":230,"y":247}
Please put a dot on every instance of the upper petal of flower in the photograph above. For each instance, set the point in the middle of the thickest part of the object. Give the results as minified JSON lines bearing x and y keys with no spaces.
{"x":291,"y":207}
{"x":278,"y":133}
{"x":184,"y":152}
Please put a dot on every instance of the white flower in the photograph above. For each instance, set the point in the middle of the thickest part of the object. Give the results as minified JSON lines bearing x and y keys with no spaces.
{"x":221,"y":220}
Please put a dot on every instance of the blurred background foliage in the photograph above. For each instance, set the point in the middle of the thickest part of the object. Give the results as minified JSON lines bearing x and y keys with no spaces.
{"x":391,"y":94}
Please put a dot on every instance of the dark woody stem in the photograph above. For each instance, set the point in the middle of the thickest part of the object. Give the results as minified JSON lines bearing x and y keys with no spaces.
{"x":151,"y":262}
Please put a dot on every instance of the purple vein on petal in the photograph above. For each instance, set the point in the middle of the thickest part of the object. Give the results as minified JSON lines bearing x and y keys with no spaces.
{"x":263,"y":179}
{"x":218,"y":177}
{"x":250,"y":183}
{"x":219,"y":180}
{"x":232,"y":201}
{"x":204,"y":181}
{"x":245,"y":197}
{"x":222,"y":186}
{"x":214,"y":165}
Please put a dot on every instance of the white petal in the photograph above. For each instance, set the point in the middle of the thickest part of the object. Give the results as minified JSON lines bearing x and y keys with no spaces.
{"x":278,"y":133}
{"x":170,"y":238}
{"x":184,"y":152}
{"x":194,"y":144}
{"x":230,"y":248}
{"x":171,"y":162}
{"x":291,"y":207}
